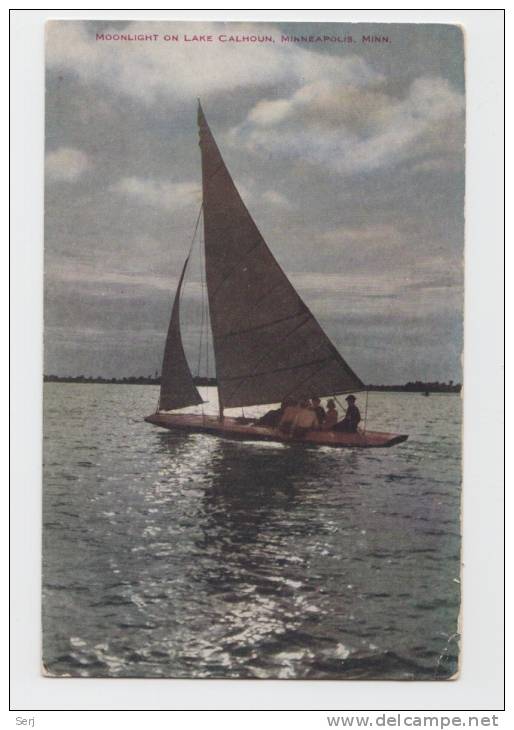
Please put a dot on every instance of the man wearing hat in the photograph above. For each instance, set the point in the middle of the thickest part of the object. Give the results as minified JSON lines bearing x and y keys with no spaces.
{"x":352,"y":417}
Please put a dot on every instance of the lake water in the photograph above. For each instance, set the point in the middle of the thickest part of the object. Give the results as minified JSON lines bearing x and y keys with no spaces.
{"x":176,"y":555}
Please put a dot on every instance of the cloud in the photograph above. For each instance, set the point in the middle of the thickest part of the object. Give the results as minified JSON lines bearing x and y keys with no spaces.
{"x":82,"y":277}
{"x":339,"y":297}
{"x":357,"y":128}
{"x":324,"y":103}
{"x":66,"y":164}
{"x":378,"y":233}
{"x":351,"y":167}
{"x":147,"y":70}
{"x":438,"y":164}
{"x":276,"y":199}
{"x":258,"y":197}
{"x":329,"y":109}
{"x":268,"y":112}
{"x":159,"y":193}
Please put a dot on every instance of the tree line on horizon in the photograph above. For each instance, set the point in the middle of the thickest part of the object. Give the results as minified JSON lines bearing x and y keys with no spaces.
{"x":417,"y":386}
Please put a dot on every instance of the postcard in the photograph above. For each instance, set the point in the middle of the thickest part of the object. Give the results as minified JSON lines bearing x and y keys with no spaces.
{"x":254,"y":245}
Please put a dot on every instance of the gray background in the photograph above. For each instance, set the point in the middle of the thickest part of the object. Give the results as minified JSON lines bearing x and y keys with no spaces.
{"x":481,"y":681}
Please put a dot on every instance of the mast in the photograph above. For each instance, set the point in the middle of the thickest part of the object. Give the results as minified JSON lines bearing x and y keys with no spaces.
{"x":205,"y":174}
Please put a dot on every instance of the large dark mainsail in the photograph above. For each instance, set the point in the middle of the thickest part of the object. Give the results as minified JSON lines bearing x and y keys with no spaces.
{"x":267,"y":344}
{"x":177,"y":387}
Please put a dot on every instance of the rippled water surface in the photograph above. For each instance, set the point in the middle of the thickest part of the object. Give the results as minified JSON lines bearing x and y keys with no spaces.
{"x":176,"y":555}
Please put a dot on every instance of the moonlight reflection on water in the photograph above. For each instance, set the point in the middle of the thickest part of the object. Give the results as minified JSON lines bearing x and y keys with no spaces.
{"x":186,"y":555}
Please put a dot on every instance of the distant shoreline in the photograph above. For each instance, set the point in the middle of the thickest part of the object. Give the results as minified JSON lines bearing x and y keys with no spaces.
{"x":411,"y":387}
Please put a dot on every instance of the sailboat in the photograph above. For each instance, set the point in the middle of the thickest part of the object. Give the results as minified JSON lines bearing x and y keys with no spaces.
{"x":268,"y":346}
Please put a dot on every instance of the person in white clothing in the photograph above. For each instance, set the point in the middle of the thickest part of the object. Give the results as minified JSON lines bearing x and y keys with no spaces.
{"x":288,"y":416}
{"x":305,"y":420}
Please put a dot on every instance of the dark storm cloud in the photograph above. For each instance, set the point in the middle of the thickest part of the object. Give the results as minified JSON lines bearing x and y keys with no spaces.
{"x":350,"y":159}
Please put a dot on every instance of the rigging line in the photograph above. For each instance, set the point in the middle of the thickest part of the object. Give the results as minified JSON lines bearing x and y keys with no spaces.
{"x":267,"y":293}
{"x":344,"y":409}
{"x":235,"y":268}
{"x":247,"y":376}
{"x":186,"y":265}
{"x":265,"y":355}
{"x":309,"y":376}
{"x":220,"y":166}
{"x":190,"y":250}
{"x":339,"y":402}
{"x":198,"y":364}
{"x":256,"y":327}
{"x":196,"y":227}
{"x":205,"y":324}
{"x":208,"y":328}
{"x":343,"y":362}
{"x":342,"y":392}
{"x":203,"y":311}
{"x":245,"y":255}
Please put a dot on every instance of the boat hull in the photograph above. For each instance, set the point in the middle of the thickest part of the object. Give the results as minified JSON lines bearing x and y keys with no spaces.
{"x":247,"y":430}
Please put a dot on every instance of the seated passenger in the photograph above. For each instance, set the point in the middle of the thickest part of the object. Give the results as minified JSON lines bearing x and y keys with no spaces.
{"x":352,"y":417}
{"x":272,"y":418}
{"x":288,"y":416}
{"x":305,"y":420}
{"x":331,"y":416}
{"x":318,"y":410}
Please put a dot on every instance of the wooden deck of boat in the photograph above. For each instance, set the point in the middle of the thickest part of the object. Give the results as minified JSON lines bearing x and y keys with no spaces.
{"x":246,"y":429}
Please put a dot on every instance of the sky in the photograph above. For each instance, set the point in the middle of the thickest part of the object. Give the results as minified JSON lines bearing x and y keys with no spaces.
{"x":349,"y":156}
